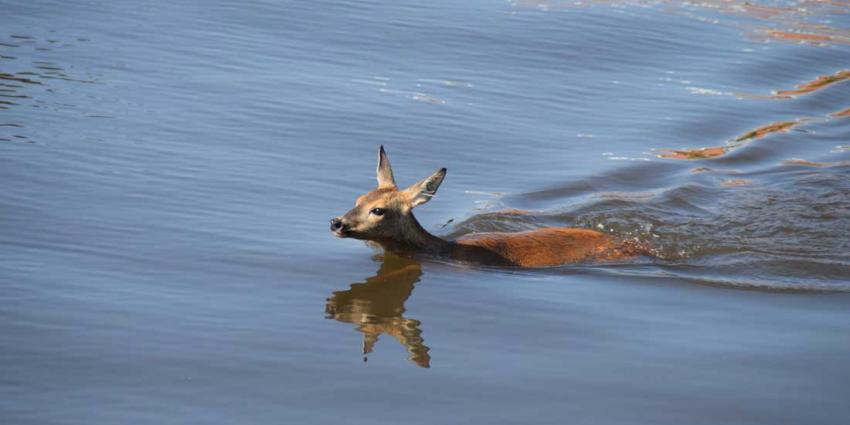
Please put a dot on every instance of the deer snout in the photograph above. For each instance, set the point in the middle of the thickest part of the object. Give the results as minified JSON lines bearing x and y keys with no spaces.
{"x":337,"y":226}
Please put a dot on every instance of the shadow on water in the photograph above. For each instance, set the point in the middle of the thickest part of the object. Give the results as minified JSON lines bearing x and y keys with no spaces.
{"x":376,"y":307}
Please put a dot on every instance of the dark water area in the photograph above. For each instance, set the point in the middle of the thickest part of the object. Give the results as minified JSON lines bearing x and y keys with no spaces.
{"x":169,"y":169}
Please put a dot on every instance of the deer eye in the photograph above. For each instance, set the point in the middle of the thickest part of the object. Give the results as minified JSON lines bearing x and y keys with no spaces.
{"x":378,"y":211}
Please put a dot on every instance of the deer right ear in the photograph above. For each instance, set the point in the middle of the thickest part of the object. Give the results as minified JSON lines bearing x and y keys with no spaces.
{"x":422,"y":191}
{"x":385,"y":171}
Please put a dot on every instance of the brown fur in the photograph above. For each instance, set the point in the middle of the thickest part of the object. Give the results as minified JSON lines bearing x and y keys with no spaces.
{"x":396,"y":230}
{"x":545,"y":247}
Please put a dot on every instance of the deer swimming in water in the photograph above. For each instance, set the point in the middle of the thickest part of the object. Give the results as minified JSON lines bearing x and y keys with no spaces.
{"x":384,"y":217}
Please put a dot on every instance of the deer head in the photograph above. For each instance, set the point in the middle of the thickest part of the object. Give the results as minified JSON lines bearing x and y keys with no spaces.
{"x":384,"y":215}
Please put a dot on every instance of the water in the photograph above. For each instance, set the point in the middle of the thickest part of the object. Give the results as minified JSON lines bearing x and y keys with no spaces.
{"x":169,"y":169}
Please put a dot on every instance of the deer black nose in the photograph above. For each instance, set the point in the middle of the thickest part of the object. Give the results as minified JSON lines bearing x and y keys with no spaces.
{"x":336,"y":224}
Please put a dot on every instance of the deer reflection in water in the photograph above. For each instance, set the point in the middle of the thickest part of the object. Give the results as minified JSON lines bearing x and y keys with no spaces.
{"x":376,"y":307}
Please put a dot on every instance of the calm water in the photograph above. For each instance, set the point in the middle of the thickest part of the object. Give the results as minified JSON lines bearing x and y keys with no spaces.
{"x":169,"y":169}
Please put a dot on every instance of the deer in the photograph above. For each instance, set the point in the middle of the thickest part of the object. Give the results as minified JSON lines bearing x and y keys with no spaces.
{"x":383,"y":217}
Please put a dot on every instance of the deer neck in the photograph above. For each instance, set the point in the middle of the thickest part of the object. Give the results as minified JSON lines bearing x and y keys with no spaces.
{"x":413,"y":238}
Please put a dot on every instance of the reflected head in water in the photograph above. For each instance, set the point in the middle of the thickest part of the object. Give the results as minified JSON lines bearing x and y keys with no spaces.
{"x":376,"y":307}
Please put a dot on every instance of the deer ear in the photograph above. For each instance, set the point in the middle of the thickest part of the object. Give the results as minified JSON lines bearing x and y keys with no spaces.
{"x":385,"y":171}
{"x":422,"y":192}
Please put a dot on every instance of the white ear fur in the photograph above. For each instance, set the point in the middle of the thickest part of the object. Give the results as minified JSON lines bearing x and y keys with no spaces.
{"x":422,"y":191}
{"x":385,"y":171}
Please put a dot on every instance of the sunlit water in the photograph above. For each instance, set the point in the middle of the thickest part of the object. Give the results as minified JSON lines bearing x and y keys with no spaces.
{"x":169,"y":168}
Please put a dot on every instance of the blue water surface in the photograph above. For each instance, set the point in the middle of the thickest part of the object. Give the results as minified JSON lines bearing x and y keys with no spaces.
{"x":169,"y":169}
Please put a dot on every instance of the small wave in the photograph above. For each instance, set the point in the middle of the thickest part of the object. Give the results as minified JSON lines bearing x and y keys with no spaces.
{"x":814,"y":85}
{"x":791,"y":23}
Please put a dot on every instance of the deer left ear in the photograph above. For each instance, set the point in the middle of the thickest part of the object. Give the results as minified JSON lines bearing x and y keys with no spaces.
{"x":422,"y":192}
{"x":385,"y":171}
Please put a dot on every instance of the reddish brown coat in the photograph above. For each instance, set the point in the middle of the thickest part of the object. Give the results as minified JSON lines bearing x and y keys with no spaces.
{"x":546,"y":247}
